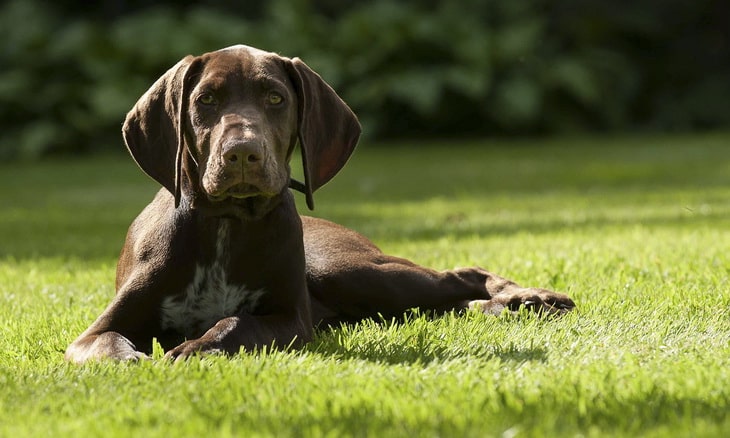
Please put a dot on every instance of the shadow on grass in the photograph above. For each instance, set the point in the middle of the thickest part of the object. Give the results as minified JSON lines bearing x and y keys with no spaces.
{"x":460,"y":226}
{"x":417,"y":340}
{"x":92,"y":235}
{"x":82,"y":207}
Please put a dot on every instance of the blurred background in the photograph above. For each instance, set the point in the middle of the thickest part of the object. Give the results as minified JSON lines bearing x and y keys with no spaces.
{"x":69,"y":70}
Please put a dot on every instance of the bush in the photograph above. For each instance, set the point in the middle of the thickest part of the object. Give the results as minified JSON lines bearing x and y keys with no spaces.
{"x":408,"y":68}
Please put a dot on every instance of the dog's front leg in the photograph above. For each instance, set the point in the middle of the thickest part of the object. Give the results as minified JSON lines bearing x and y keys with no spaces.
{"x":114,"y":333}
{"x":244,"y":331}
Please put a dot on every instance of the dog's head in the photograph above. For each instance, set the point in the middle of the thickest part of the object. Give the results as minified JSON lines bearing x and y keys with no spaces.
{"x":219,"y":130}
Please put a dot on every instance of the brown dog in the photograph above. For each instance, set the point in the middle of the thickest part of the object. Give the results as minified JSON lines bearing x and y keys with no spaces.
{"x":220,"y":260}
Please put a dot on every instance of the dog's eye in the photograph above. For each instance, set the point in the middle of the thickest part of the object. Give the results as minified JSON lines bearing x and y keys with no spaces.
{"x":206,"y":99}
{"x":275,"y":98}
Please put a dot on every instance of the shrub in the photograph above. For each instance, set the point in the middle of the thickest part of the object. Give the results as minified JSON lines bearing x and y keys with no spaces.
{"x":408,"y":68}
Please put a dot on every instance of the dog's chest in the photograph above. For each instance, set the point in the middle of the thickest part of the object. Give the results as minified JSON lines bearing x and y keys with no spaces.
{"x":210,"y":296}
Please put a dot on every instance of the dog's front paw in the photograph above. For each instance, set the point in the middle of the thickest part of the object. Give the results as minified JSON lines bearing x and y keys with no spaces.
{"x":194,"y":347}
{"x":107,"y":345}
{"x":541,"y":301}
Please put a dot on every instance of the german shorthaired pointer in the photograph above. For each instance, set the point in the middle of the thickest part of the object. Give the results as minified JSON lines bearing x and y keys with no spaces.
{"x":220,"y":259}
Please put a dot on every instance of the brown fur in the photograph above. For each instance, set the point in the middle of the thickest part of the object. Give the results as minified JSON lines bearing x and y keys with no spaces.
{"x":220,"y":260}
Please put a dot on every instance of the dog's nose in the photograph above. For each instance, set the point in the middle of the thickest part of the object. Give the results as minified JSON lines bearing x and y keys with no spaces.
{"x":244,"y":152}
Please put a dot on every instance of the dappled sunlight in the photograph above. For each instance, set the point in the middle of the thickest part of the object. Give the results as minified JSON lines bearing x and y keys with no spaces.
{"x":536,"y":214}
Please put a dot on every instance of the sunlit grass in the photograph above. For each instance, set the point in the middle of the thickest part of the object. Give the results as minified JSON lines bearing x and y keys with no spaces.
{"x":637,"y":230}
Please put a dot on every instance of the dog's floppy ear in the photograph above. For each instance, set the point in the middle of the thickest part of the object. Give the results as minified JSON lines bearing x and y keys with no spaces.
{"x":154,"y":129}
{"x":328,"y":129}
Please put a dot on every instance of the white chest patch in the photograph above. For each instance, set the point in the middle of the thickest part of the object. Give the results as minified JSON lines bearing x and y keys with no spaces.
{"x":210,"y":297}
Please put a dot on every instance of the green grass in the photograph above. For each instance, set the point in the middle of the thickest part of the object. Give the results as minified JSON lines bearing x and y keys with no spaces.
{"x":636,"y":230}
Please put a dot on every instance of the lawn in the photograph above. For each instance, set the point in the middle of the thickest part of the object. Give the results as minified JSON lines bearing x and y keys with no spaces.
{"x":635,"y":229}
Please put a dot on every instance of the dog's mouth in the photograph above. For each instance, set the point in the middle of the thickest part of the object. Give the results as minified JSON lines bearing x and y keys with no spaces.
{"x":241,"y":192}
{"x":244,"y":201}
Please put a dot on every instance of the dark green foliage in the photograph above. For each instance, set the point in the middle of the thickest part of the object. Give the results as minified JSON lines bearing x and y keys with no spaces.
{"x":408,"y":68}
